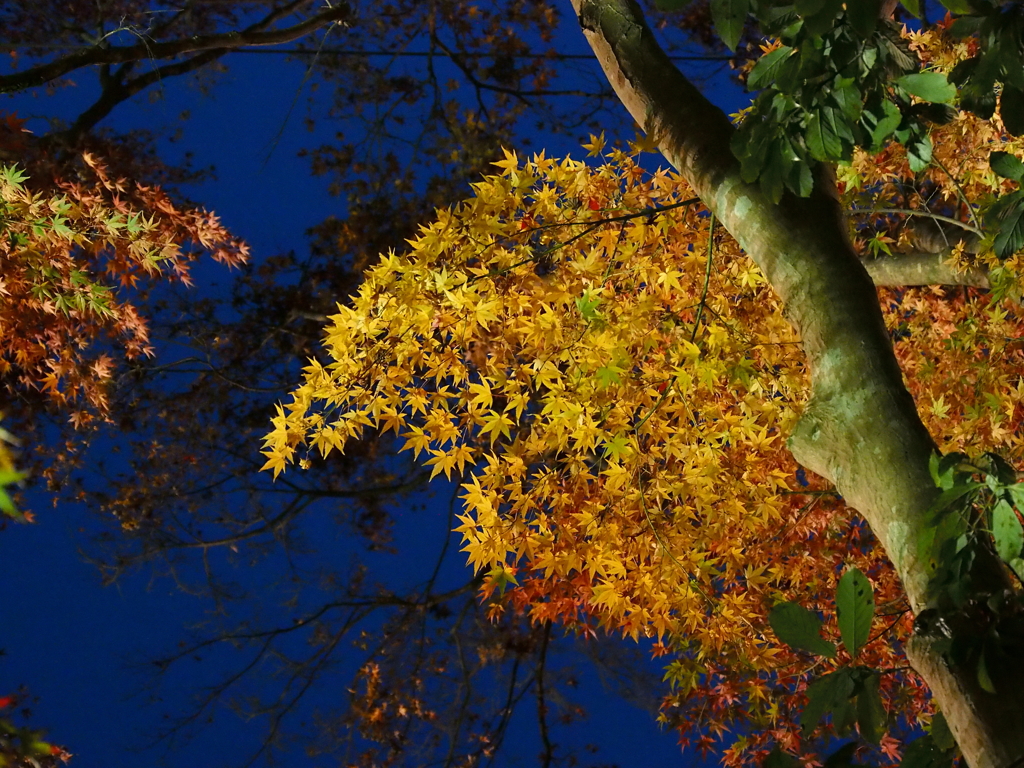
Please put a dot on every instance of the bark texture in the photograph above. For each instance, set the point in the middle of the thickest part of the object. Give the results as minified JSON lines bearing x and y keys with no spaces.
{"x":906,"y":269}
{"x":860,"y":429}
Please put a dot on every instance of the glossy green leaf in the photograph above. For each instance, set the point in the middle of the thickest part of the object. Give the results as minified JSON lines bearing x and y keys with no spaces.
{"x":922,"y":753}
{"x":940,"y":114}
{"x":1006,"y":218}
{"x":767,"y":67}
{"x":842,"y":757}
{"x":863,"y":15}
{"x":824,"y":18}
{"x":1011,"y":109}
{"x":848,"y":97}
{"x":799,"y":628}
{"x":501,"y":578}
{"x":950,"y":496}
{"x":943,"y":470}
{"x":829,"y":694}
{"x":588,"y":304}
{"x":808,"y":7}
{"x":8,"y":507}
{"x":11,"y":476}
{"x":729,"y":17}
{"x":940,"y":732}
{"x":914,"y":6}
{"x":800,"y":180}
{"x":855,"y":607}
{"x":822,"y":136}
{"x":779,"y":759}
{"x":1016,"y":491}
{"x":871,"y":715}
{"x":930,"y":86}
{"x":984,"y":678}
{"x":750,"y":146}
{"x":881,"y":122}
{"x":919,"y":153}
{"x":957,"y":6}
{"x":772,"y":176}
{"x":1017,"y":564}
{"x":1007,"y":531}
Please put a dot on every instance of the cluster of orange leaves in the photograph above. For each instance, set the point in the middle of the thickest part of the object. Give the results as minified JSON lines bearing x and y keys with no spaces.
{"x":613,"y":380}
{"x":73,"y":258}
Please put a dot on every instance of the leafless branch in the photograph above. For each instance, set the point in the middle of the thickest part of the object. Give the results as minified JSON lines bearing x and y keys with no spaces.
{"x":100,"y":54}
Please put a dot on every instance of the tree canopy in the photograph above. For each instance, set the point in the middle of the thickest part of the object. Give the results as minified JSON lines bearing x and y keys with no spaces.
{"x":614,"y":379}
{"x":761,"y":410}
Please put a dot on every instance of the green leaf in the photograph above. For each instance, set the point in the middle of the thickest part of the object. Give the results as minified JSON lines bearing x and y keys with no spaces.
{"x":829,"y":694}
{"x":587,"y":305}
{"x":943,"y":470}
{"x":750,"y":146}
{"x":822,"y":138}
{"x":948,"y":497}
{"x":914,"y":6}
{"x":870,"y":712}
{"x":963,"y":71}
{"x":1016,"y":492}
{"x":617,"y":447}
{"x":779,"y":759}
{"x":767,"y":67}
{"x":930,"y":86}
{"x":979,"y":98}
{"x":940,"y":114}
{"x":1017,"y":564}
{"x":501,"y":579}
{"x":922,"y":753}
{"x":848,"y":97}
{"x":863,"y":15}
{"x":11,"y":476}
{"x":1006,"y":218}
{"x":8,"y":508}
{"x":842,"y":757}
{"x":984,"y":679}
{"x":798,"y":628}
{"x":729,"y":17}
{"x":824,"y":18}
{"x":671,"y":5}
{"x":1011,"y":109}
{"x":919,"y":153}
{"x":607,"y":375}
{"x":957,"y":6}
{"x":855,"y":608}
{"x":808,"y":7}
{"x":13,"y":176}
{"x":800,"y":179}
{"x":940,"y":733}
{"x":881,"y":121}
{"x":37,"y":747}
{"x":1007,"y":531}
{"x":772,"y":176}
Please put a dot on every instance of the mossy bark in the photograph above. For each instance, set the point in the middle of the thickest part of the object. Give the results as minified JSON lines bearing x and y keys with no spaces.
{"x":860,"y":429}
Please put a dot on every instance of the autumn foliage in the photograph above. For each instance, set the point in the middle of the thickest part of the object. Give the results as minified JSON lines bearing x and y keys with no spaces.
{"x":613,"y":382}
{"x":76,"y":255}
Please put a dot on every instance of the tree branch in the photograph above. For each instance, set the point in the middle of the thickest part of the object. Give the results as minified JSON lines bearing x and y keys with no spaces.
{"x":223,"y":42}
{"x":907,"y":269}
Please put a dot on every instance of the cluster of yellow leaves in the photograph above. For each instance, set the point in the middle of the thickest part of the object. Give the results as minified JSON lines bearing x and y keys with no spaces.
{"x":563,"y":350}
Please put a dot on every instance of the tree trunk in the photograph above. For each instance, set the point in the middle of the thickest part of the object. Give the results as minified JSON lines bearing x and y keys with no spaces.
{"x":860,"y":429}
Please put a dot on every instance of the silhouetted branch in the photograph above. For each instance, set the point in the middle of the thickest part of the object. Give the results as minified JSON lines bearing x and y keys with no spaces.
{"x":101,"y":54}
